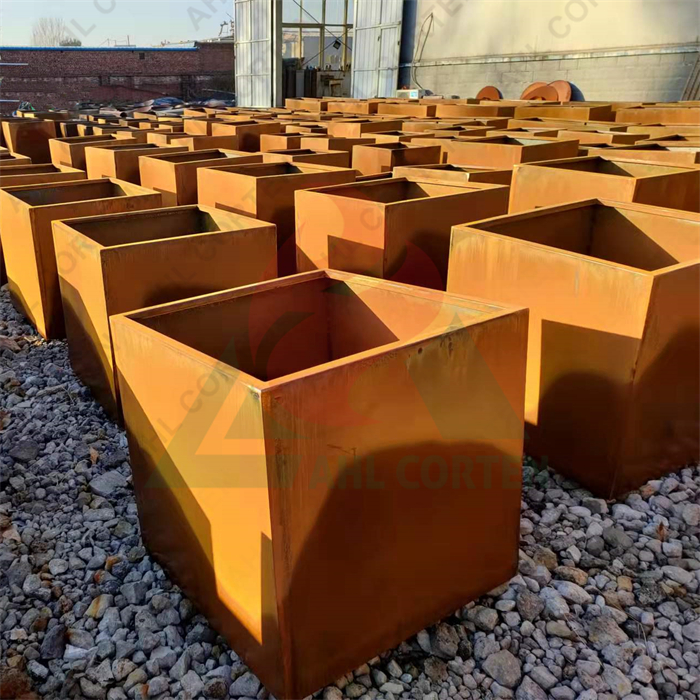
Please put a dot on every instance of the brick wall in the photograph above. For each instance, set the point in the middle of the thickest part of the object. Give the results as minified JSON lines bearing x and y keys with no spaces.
{"x":654,"y":76}
{"x":59,"y":77}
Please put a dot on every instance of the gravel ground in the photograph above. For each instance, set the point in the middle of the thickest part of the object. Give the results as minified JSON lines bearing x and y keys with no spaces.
{"x":606,"y":604}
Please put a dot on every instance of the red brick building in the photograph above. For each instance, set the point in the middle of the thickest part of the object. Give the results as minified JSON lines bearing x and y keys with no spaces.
{"x":59,"y":77}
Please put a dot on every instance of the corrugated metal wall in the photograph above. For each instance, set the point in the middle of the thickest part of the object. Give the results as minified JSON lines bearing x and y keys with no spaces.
{"x":254,"y":46}
{"x":376,"y":47}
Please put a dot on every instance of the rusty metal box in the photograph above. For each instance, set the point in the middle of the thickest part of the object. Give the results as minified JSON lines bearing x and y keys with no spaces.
{"x":318,"y":142}
{"x":121,"y":262}
{"x":70,"y":151}
{"x":29,"y":137}
{"x":449,"y":174}
{"x":393,"y":229}
{"x":248,"y":132}
{"x":557,"y":182}
{"x":121,"y":161}
{"x":26,"y":215}
{"x":266,"y":192}
{"x":338,"y":159}
{"x":612,"y":393}
{"x":13,"y":175}
{"x":357,"y":128}
{"x":384,"y":157}
{"x":263,"y":420}
{"x":174,"y":175}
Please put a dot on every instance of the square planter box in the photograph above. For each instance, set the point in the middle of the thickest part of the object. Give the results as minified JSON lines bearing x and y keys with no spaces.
{"x":613,"y":354}
{"x":611,"y":138}
{"x":30,"y":137}
{"x":266,"y":192}
{"x":196,"y":143}
{"x":394,"y":136}
{"x":200,"y":127}
{"x":26,"y":215}
{"x":122,"y":161}
{"x":307,"y":129}
{"x":339,"y":159}
{"x":333,"y":143}
{"x":453,"y":174}
{"x":70,"y":151}
{"x":393,"y":229}
{"x":655,"y":152}
{"x":420,"y":111}
{"x":445,"y":111}
{"x":248,"y":133}
{"x":424,"y":389}
{"x":306,"y":104}
{"x":353,"y":106}
{"x":164,"y":255}
{"x":279,"y":142}
{"x":601,"y":112}
{"x":505,"y":151}
{"x":654,"y":132}
{"x":357,"y":128}
{"x":174,"y":175}
{"x":558,"y":182}
{"x":659,"y":115}
{"x":131,"y":135}
{"x":69,"y":128}
{"x":384,"y":157}
{"x":13,"y":175}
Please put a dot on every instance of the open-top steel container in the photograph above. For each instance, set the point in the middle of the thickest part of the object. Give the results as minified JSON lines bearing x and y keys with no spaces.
{"x":614,"y":341}
{"x":384,"y":157}
{"x":450,"y":174}
{"x":121,"y":161}
{"x":266,"y":192}
{"x":394,"y":228}
{"x":262,"y":421}
{"x":560,"y":181}
{"x":121,"y":262}
{"x":26,"y":215}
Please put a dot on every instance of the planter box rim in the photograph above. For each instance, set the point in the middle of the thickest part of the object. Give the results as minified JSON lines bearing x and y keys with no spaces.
{"x":46,"y":185}
{"x":252,"y":168}
{"x":561,"y":163}
{"x":490,"y":310}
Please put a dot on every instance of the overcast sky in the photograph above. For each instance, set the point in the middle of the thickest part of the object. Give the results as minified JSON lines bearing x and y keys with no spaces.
{"x":145,"y":22}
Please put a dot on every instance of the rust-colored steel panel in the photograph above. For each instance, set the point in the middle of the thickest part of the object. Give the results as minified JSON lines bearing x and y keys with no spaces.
{"x":503,"y":152}
{"x":571,"y":111}
{"x":281,"y":142}
{"x":407,"y":109}
{"x":521,"y":131}
{"x":449,"y":174}
{"x":447,"y":111}
{"x":557,"y":182}
{"x":659,"y":115}
{"x":13,"y":175}
{"x":200,"y":127}
{"x":52,"y":116}
{"x":394,"y":136}
{"x":655,"y":132}
{"x":359,"y":128}
{"x":612,"y":391}
{"x":7,"y":158}
{"x":121,"y":262}
{"x":120,"y":161}
{"x":248,"y":133}
{"x":588,"y":136}
{"x":656,"y":152}
{"x":26,"y":215}
{"x":393,"y":229}
{"x":306,"y":129}
{"x":307,"y":398}
{"x":70,"y":151}
{"x":131,"y":135}
{"x":338,"y":159}
{"x":353,"y":106}
{"x":29,"y":137}
{"x":266,"y":192}
{"x":303,"y":104}
{"x":174,"y":175}
{"x":70,"y":128}
{"x":195,"y":143}
{"x":384,"y":157}
{"x":334,"y":143}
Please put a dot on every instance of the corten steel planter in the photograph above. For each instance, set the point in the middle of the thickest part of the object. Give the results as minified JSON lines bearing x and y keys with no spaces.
{"x":540,"y":123}
{"x":654,"y":132}
{"x":421,"y":111}
{"x":196,"y":143}
{"x":394,"y":136}
{"x":655,"y":153}
{"x":449,"y":174}
{"x":130,"y":135}
{"x":505,"y":151}
{"x":334,"y":143}
{"x":445,"y":111}
{"x":306,"y":104}
{"x":70,"y":151}
{"x":612,"y":138}
{"x":659,"y":115}
{"x":30,"y":137}
{"x":13,"y":175}
{"x":26,"y":215}
{"x":257,"y":488}
{"x":69,"y":128}
{"x":248,"y":133}
{"x":122,"y":161}
{"x":266,"y":192}
{"x":521,"y":131}
{"x":557,"y":182}
{"x":200,"y":127}
{"x":282,"y":141}
{"x":164,"y":254}
{"x":54,"y":116}
{"x":394,"y":229}
{"x":384,"y":157}
{"x":305,"y":130}
{"x":357,"y":128}
{"x":353,"y":106}
{"x":601,"y":112}
{"x":339,"y":159}
{"x":174,"y":175}
{"x":613,"y":353}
